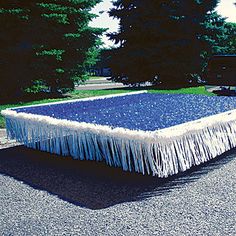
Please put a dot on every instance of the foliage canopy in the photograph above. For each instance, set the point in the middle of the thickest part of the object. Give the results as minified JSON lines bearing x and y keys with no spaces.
{"x":47,"y":43}
{"x":163,"y":41}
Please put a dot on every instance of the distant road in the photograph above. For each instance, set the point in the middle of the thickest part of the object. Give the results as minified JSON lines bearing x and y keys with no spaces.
{"x":98,"y":84}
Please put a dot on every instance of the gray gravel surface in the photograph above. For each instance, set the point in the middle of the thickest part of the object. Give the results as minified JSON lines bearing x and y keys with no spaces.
{"x":42,"y":194}
{"x":4,"y":142}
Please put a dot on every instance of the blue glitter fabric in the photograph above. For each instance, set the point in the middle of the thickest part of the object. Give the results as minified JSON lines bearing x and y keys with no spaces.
{"x":146,"y":111}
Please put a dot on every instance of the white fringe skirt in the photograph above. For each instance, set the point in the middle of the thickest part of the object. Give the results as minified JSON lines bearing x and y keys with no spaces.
{"x":159,"y":153}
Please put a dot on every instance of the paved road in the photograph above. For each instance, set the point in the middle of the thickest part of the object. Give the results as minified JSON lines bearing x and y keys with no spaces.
{"x":101,"y":83}
{"x":101,"y":86}
{"x":42,"y":194}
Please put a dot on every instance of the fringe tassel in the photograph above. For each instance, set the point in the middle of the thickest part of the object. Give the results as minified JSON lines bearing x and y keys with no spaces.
{"x":160,"y":153}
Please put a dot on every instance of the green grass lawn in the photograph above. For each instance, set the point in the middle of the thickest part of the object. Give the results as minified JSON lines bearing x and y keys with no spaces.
{"x":91,"y":93}
{"x":192,"y":90}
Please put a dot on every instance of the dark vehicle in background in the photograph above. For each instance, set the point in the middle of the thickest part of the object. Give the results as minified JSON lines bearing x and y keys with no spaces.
{"x":220,"y":75}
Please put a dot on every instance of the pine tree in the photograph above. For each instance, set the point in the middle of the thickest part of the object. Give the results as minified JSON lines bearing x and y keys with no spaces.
{"x":161,"y":40}
{"x":13,"y":20}
{"x":229,"y":41}
{"x":46,"y":42}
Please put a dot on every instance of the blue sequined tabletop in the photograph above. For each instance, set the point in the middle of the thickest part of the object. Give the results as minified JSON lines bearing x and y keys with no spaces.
{"x":146,"y":111}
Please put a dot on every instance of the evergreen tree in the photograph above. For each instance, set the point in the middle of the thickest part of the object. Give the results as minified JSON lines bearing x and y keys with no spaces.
{"x":161,"y":40}
{"x":13,"y":21}
{"x":46,"y":42}
{"x":229,"y":41}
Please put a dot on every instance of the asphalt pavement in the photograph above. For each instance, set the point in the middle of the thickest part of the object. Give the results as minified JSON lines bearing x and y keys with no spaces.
{"x":44,"y":194}
{"x":101,"y":86}
{"x":101,"y":83}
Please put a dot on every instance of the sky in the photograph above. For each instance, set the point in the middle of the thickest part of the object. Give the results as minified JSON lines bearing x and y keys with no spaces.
{"x":226,"y":8}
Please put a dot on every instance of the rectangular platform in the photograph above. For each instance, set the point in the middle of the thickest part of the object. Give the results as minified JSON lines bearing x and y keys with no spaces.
{"x":156,"y":134}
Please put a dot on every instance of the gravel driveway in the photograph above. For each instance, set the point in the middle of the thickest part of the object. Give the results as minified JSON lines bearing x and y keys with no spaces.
{"x":42,"y":194}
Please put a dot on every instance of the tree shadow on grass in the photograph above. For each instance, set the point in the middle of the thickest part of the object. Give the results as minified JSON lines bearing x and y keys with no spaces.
{"x":90,"y":184}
